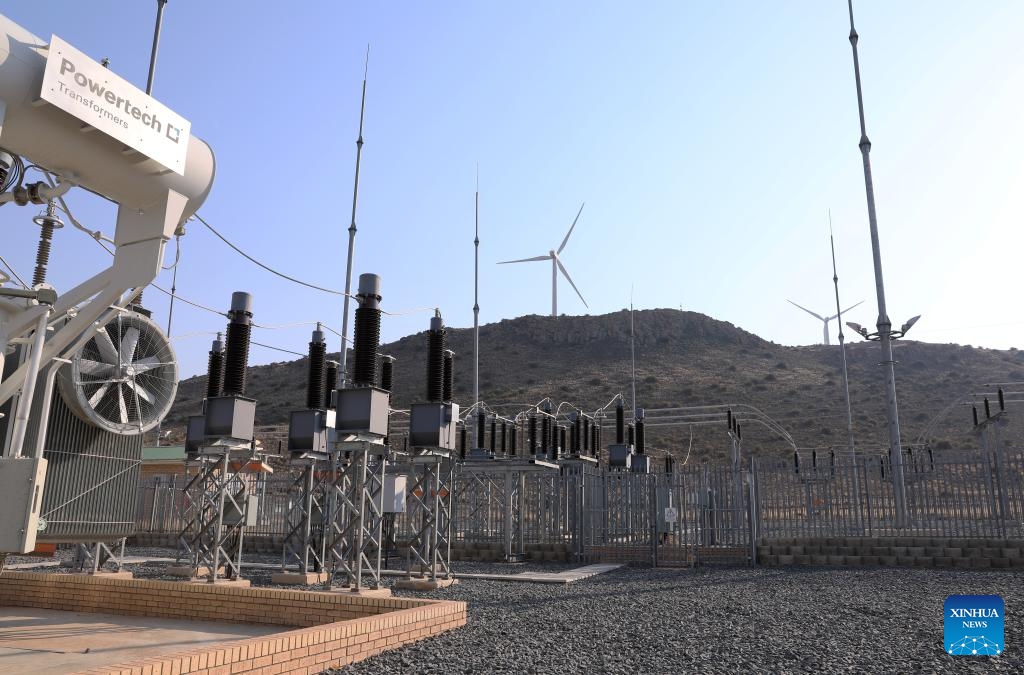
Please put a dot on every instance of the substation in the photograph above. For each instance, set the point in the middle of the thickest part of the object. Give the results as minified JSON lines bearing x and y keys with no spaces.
{"x":366,"y":498}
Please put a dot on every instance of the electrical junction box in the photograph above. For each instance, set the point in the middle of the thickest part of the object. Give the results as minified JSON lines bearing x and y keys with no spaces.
{"x":307,"y":431}
{"x":620,"y":456}
{"x":232,"y":417}
{"x":21,"y":487}
{"x":249,"y":511}
{"x":432,"y":425}
{"x":195,"y":435}
{"x":394,"y":493}
{"x":362,"y":410}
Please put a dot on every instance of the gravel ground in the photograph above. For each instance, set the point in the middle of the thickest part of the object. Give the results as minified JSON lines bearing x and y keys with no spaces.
{"x":728,"y":620}
{"x":636,"y":620}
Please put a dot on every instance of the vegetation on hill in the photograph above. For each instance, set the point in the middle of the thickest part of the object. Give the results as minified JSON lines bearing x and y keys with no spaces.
{"x":682,"y":359}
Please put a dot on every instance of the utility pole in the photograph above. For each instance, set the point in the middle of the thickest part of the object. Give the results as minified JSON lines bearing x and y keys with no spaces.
{"x":883,"y":325}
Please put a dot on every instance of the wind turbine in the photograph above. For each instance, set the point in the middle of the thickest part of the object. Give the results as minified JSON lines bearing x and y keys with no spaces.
{"x":824,"y":319}
{"x":556,"y":265}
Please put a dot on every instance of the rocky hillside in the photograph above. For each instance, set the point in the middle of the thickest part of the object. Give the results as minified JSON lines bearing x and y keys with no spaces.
{"x":682,"y":359}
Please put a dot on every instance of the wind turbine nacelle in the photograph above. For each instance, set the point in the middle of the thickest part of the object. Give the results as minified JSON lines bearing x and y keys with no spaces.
{"x":45,"y":135}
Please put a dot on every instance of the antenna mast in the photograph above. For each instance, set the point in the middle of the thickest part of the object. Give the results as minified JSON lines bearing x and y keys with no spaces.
{"x":156,"y":44}
{"x":632,"y":350}
{"x":476,"y":296}
{"x":846,"y":375}
{"x":342,"y":375}
{"x":884,"y":325}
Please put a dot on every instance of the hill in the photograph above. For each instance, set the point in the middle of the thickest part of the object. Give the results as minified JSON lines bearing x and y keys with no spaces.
{"x":682,"y":359}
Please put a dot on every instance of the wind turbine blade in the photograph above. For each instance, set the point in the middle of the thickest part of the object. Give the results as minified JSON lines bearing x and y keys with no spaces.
{"x":819,"y":317}
{"x":845,"y":310}
{"x":569,"y":279}
{"x":106,"y":346}
{"x":567,"y":234}
{"x":540,"y":257}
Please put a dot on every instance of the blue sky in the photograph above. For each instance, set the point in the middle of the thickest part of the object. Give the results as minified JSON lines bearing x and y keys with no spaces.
{"x":708,"y":140}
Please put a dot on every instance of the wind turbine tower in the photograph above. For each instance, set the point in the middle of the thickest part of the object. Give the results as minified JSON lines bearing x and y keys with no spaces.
{"x":556,"y":265}
{"x":823,"y":319}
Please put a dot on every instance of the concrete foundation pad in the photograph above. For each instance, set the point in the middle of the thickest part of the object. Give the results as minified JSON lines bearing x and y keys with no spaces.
{"x":123,"y":574}
{"x":229,"y":583}
{"x":46,"y":641}
{"x":424,"y":584}
{"x":299,"y":578}
{"x":362,"y":592}
{"x":186,"y":571}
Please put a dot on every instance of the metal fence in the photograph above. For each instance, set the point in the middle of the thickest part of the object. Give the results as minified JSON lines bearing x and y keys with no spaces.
{"x":693,"y":515}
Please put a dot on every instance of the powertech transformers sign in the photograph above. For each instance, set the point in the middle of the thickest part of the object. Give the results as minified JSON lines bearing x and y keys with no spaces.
{"x":81,"y":87}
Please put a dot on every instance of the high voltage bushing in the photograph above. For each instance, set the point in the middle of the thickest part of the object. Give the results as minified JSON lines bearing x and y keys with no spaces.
{"x":317,"y":361}
{"x":988,"y":413}
{"x":1002,"y":401}
{"x":629,"y":434}
{"x":47,"y":222}
{"x":462,"y":440}
{"x":559,"y":442}
{"x":331,"y":378}
{"x":481,"y":424}
{"x":595,"y":439}
{"x":435,"y":359}
{"x":504,"y":437}
{"x":640,"y":436}
{"x":739,"y":434}
{"x":545,"y":434}
{"x":512,"y":447}
{"x":974,"y":414}
{"x":796,"y":461}
{"x":532,"y":437}
{"x":577,"y":429}
{"x":387,"y":372}
{"x":571,"y":447}
{"x":367,"y":331}
{"x":494,"y":434}
{"x":728,"y":418}
{"x":236,"y":358}
{"x":620,"y":421}
{"x":215,"y":369}
{"x":586,"y":434}
{"x":449,"y":376}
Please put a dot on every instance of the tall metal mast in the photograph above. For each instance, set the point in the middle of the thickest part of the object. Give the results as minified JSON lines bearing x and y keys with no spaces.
{"x":883,"y":325}
{"x":476,"y":297}
{"x":342,"y":374}
{"x":632,"y":352}
{"x":846,"y":375}
{"x":156,"y":44}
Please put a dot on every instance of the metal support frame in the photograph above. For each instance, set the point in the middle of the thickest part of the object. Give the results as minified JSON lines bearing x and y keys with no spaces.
{"x":429,"y":552}
{"x":217,"y":501}
{"x":305,"y":520}
{"x":355,"y":511}
{"x":90,"y":557}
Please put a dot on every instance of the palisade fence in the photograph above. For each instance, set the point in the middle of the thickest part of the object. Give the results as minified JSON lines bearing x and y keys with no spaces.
{"x":694,"y":515}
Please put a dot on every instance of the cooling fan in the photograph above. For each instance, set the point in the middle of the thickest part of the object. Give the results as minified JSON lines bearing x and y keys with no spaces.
{"x":124,"y":378}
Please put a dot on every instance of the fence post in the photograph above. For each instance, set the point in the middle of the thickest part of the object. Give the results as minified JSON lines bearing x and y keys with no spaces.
{"x":754,"y":513}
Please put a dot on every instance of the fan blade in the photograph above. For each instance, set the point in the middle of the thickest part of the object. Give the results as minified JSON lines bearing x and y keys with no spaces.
{"x":140,"y":392}
{"x":149,"y":363}
{"x":567,"y":234}
{"x":540,"y":257}
{"x":121,"y":405}
{"x":129,"y":342}
{"x":817,"y":316}
{"x":97,"y":395}
{"x":569,"y":279}
{"x":97,"y":368}
{"x":106,"y":347}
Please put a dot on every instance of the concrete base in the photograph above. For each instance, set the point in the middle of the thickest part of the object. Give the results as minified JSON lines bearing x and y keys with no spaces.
{"x":363,"y":592}
{"x":104,"y":574}
{"x":299,"y":578}
{"x":231,"y":583}
{"x":185,"y":571}
{"x":424,"y":584}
